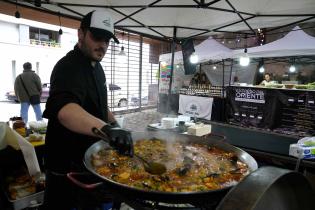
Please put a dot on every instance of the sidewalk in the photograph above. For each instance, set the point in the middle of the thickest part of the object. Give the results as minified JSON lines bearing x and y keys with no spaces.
{"x":136,"y":121}
{"x":10,"y":109}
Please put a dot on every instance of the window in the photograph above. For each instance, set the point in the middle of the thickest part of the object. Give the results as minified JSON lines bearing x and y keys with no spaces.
{"x":44,"y":37}
{"x":135,"y":81}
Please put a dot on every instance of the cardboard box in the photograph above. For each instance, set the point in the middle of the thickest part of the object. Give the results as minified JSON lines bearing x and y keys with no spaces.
{"x":199,"y":129}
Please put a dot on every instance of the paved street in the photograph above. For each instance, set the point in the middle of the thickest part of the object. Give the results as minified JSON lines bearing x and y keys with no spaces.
{"x":11,"y":109}
{"x":136,"y":121}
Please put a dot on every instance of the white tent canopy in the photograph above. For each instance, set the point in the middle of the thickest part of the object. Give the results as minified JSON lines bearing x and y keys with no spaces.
{"x":178,"y":57}
{"x":295,"y":43}
{"x":207,"y":50}
{"x":190,"y":17}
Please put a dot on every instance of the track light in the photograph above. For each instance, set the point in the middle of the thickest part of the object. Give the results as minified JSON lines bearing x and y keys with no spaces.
{"x":38,"y":3}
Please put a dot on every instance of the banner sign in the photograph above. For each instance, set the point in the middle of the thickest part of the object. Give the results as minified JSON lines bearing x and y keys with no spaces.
{"x":285,"y":111}
{"x":250,"y":95}
{"x":247,"y":106}
{"x":194,"y":106}
{"x":165,"y":75}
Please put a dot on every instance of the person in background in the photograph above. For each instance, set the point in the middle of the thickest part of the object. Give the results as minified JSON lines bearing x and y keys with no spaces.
{"x":204,"y":79}
{"x":267,"y":80}
{"x":77,"y":103}
{"x":195,"y":80}
{"x":26,"y":85}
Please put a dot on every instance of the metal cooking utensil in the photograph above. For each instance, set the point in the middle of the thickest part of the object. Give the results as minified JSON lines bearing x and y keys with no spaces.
{"x":149,"y":166}
{"x":152,"y":167}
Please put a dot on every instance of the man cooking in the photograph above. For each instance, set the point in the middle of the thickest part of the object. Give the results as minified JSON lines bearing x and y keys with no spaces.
{"x":78,"y":103}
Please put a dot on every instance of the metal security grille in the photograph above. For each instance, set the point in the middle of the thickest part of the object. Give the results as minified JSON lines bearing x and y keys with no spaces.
{"x":131,"y":79}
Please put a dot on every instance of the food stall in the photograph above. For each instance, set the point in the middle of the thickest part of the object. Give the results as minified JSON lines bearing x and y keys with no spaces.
{"x":282,"y":106}
{"x":199,"y":99}
{"x":286,"y":111}
{"x":263,"y":120}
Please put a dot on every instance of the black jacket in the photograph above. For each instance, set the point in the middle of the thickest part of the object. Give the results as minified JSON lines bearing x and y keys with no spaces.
{"x":73,"y":80}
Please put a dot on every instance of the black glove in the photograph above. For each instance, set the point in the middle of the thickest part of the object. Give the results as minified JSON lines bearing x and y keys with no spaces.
{"x":120,"y":139}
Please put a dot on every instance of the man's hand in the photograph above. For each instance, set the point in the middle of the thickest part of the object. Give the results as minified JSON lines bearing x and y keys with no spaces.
{"x":120,"y":139}
{"x":115,"y":124}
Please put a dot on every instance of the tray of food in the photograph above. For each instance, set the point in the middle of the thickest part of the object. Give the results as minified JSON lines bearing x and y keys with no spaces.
{"x":38,"y":126}
{"x":23,"y":190}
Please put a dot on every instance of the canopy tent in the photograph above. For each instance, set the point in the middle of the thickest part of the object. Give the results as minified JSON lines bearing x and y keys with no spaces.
{"x":165,"y":19}
{"x":207,"y":50}
{"x":178,"y":57}
{"x":295,"y":43}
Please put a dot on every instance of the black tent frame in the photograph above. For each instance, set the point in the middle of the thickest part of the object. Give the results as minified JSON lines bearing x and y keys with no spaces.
{"x":197,"y":4}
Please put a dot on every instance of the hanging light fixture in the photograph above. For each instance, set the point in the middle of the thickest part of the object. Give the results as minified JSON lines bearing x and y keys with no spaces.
{"x":17,"y":13}
{"x":261,"y":68}
{"x":122,"y":49}
{"x":122,"y":56}
{"x":214,"y":67}
{"x":292,"y":68}
{"x":60,"y":30}
{"x":194,"y":58}
{"x":38,"y":3}
{"x":244,"y":60}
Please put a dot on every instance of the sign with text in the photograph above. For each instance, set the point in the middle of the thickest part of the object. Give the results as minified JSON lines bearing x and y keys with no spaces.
{"x":282,"y":110}
{"x":249,"y":95}
{"x":246,"y":105}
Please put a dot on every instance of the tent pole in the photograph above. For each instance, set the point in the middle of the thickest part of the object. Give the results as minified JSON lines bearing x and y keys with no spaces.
{"x":222,"y":92}
{"x":172,"y":71}
{"x":231,"y":72}
{"x":223,"y":67}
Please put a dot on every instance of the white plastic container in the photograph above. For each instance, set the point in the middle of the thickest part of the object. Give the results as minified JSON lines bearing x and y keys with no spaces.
{"x":168,"y":123}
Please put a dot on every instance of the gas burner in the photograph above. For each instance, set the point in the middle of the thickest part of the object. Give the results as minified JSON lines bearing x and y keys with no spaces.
{"x":154,"y":205}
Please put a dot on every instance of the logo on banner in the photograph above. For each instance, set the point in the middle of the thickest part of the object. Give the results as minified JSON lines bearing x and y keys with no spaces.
{"x":192,"y":108}
{"x":250,"y":95}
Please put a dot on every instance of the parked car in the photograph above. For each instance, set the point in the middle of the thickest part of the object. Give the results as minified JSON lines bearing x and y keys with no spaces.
{"x":134,"y":100}
{"x":116,"y":96}
{"x":43,"y":98}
